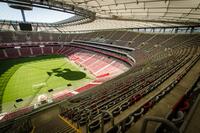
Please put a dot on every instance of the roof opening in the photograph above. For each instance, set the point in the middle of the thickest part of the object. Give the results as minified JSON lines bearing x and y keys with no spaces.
{"x":38,"y":15}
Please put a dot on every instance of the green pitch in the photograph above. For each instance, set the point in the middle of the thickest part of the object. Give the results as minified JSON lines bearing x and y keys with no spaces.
{"x":27,"y":77}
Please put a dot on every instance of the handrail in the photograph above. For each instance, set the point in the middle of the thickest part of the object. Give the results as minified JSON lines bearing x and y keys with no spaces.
{"x":102,"y":121}
{"x":78,"y":130}
{"x":159,"y":120}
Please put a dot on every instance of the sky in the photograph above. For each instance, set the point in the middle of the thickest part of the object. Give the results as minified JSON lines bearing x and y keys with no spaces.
{"x":35,"y":15}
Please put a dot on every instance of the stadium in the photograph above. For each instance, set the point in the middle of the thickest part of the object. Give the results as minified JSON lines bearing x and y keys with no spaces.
{"x":99,"y":66}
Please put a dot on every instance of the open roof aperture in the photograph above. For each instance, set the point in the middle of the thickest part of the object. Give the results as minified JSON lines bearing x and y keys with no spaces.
{"x":38,"y":15}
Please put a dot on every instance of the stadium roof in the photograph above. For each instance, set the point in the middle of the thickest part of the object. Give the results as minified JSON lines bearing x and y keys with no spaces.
{"x":113,"y":14}
{"x":156,"y":10}
{"x":103,"y":24}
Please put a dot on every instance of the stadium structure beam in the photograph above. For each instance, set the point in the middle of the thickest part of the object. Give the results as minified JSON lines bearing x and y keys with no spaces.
{"x":9,"y":26}
{"x":14,"y":27}
{"x":44,"y":25}
{"x":2,"y":25}
{"x":129,"y":2}
{"x":155,"y":21}
{"x":23,"y":15}
{"x":58,"y":30}
{"x":36,"y":27}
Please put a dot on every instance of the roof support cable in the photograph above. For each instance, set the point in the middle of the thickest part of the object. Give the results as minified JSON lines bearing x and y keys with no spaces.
{"x":58,"y":29}
{"x":14,"y":26}
{"x":115,"y":2}
{"x":109,"y":9}
{"x":147,"y":12}
{"x":125,"y":7}
{"x":197,"y":6}
{"x":137,"y":1}
{"x":167,"y":7}
{"x":166,"y":1}
{"x":98,"y":3}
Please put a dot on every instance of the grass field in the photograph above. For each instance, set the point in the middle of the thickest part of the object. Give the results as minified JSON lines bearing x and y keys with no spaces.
{"x":27,"y":77}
